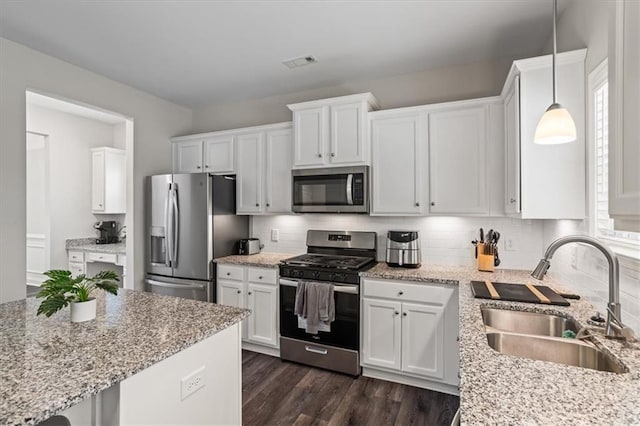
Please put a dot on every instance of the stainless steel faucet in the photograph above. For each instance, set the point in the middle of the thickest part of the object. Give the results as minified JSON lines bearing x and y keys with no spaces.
{"x":614,"y":327}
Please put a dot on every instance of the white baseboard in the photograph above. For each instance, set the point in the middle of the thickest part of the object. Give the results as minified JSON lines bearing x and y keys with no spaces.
{"x":411,"y":381}
{"x":265,"y":350}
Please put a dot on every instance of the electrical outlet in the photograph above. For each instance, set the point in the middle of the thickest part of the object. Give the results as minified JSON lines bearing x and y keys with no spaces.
{"x":510,"y":244}
{"x":191,"y":383}
{"x":275,"y":235}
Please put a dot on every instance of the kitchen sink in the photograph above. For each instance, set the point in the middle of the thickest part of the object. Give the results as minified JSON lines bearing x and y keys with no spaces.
{"x":527,"y":322}
{"x":561,"y":351}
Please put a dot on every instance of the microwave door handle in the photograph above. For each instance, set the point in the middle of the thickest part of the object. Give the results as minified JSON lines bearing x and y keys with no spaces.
{"x":350,"y":189}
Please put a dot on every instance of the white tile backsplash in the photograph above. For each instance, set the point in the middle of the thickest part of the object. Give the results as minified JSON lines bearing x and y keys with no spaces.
{"x":444,"y":240}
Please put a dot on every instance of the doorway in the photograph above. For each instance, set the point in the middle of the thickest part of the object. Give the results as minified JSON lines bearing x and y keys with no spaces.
{"x":79,"y":189}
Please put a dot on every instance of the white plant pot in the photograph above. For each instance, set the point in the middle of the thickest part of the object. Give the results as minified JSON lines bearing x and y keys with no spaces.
{"x":83,"y":311}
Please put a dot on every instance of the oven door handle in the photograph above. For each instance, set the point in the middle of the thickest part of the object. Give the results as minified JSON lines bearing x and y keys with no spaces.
{"x":336,"y":288}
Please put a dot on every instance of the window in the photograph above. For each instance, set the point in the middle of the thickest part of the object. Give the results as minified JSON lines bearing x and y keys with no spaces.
{"x":602,"y":224}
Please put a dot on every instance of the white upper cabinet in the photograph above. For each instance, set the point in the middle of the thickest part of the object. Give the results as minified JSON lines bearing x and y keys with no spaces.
{"x":108,"y":181}
{"x":512,"y":147}
{"x":204,"y":153}
{"x":278,"y":161}
{"x":457,"y":160}
{"x":219,"y":154}
{"x":250,"y":170}
{"x":264,"y":170}
{"x":187,"y":157}
{"x":624,"y":113}
{"x":398,"y":143}
{"x":544,"y":181}
{"x":332,"y":131}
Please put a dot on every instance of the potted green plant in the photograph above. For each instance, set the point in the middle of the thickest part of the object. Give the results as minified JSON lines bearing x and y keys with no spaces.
{"x":61,"y":289}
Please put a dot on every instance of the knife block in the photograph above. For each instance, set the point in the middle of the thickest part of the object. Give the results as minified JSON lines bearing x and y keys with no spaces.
{"x":485,"y":261}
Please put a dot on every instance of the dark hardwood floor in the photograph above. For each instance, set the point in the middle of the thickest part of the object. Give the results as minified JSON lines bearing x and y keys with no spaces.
{"x":275,"y":392}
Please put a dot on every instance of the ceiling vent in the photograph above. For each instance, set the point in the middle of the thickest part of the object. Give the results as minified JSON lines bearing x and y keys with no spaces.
{"x":300,"y":61}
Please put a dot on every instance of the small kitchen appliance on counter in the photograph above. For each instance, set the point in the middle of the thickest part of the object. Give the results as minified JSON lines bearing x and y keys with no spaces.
{"x":403,"y":249}
{"x":108,"y":231}
{"x":248,"y":246}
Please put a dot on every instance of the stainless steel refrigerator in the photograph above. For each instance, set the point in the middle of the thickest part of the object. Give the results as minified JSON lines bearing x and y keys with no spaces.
{"x":191,"y":220}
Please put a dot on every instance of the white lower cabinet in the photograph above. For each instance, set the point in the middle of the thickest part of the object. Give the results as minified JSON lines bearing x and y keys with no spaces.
{"x":255,"y":289}
{"x":410,"y":333}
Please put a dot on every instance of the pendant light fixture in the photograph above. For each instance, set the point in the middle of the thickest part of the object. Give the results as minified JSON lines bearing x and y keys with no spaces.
{"x":556,"y":125}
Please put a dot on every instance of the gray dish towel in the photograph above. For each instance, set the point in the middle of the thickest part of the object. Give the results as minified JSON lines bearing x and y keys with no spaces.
{"x":314,"y":302}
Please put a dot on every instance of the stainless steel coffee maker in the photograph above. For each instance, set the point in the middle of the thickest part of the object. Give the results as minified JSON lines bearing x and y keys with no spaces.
{"x":403,"y":249}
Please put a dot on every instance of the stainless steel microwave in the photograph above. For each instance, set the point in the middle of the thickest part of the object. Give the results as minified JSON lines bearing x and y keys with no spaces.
{"x":331,"y":190}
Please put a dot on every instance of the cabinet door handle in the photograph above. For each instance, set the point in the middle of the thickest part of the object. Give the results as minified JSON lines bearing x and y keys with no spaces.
{"x":512,"y":200}
{"x":404,"y":314}
{"x":257,"y":205}
{"x":249,"y":293}
{"x":333,"y":154}
{"x":239,"y":291}
{"x":417,"y":204}
{"x":319,"y":155}
{"x":396,"y":313}
{"x":268,"y":204}
{"x":206,"y":166}
{"x":198,"y":167}
{"x":433,"y":203}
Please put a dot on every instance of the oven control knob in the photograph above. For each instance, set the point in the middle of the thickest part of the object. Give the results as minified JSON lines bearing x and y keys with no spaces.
{"x":315,"y":275}
{"x":338,"y":277}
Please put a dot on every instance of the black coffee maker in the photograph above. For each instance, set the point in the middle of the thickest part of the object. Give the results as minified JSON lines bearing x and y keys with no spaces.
{"x":108,"y":231}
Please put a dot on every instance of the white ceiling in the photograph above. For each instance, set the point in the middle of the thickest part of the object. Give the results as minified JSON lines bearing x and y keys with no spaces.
{"x":202,"y":52}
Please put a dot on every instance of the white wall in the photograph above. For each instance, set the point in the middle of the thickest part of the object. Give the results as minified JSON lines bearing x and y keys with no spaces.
{"x":444,"y":240}
{"x":453,"y":83}
{"x":70,"y":139}
{"x":155,"y":122}
{"x":585,"y":23}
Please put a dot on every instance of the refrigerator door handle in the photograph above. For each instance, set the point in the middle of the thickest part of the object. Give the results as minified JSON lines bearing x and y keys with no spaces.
{"x":168,"y":232}
{"x":176,"y":223}
{"x":171,"y":285}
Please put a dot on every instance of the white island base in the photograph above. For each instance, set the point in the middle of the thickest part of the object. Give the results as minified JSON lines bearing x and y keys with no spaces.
{"x":200,"y":385}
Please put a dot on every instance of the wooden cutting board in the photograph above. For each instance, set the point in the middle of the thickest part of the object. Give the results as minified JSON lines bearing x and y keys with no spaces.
{"x":527,"y":293}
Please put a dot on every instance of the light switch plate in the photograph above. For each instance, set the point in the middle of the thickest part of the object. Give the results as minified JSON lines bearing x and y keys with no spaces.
{"x":275,"y":235}
{"x":191,"y":383}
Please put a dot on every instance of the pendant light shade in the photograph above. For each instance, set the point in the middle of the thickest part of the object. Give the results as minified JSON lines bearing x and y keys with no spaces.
{"x":556,"y":125}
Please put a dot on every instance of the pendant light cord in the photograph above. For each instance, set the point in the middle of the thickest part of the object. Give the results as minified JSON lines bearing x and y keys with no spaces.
{"x":555,"y":50}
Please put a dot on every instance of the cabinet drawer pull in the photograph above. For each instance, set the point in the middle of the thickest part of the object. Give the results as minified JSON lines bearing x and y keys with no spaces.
{"x":268,"y":204}
{"x":400,"y":293}
{"x":228,"y":274}
{"x":260,"y":277}
{"x":433,"y":203}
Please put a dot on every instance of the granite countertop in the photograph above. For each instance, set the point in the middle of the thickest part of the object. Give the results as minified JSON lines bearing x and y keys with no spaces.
{"x":89,"y":244}
{"x":262,"y":260}
{"x":504,"y":389}
{"x":50,"y":364}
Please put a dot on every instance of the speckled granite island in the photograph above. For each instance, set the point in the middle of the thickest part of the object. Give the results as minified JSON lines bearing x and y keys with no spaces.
{"x":137,"y":342}
{"x":504,"y":389}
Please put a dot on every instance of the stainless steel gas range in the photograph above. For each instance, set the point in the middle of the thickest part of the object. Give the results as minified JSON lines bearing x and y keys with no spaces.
{"x":335,"y":258}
